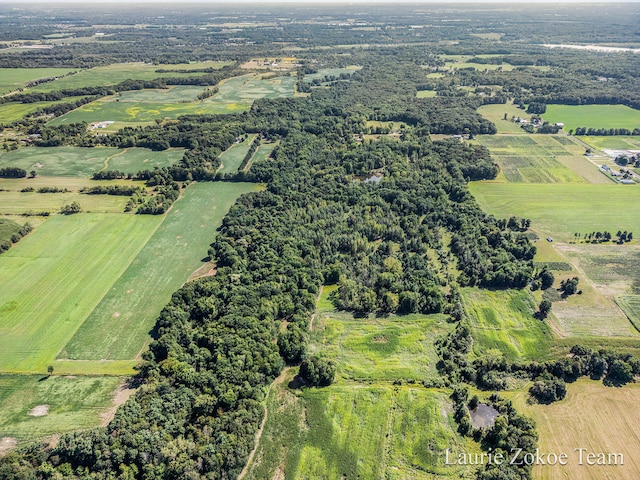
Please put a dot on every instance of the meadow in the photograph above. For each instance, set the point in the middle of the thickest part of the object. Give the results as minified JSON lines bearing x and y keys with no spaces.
{"x":613,"y":143}
{"x":495,"y":113}
{"x":74,"y":403}
{"x":83,"y":162}
{"x":262,"y":154}
{"x":595,"y":116}
{"x":54,"y":278}
{"x":119,"y":72}
{"x":591,"y":416}
{"x":119,"y":326}
{"x":232,"y":158}
{"x":14,"y":111}
{"x":504,"y":320}
{"x":14,"y":78}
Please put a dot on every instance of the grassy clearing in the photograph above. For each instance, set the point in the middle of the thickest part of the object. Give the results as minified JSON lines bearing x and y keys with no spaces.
{"x":596,"y":116}
{"x":119,"y":326}
{"x":74,"y":403}
{"x":495,"y":113}
{"x":14,"y":78}
{"x":262,"y":153}
{"x":613,"y":143}
{"x":562,"y":210}
{"x":12,"y":112}
{"x":116,"y":73}
{"x":504,"y":320}
{"x":328,"y":72}
{"x":18,"y":203}
{"x":426,"y":94}
{"x":83,"y":162}
{"x":49,"y":281}
{"x":591,"y":416}
{"x":8,"y":228}
{"x":630,"y":305}
{"x":232,"y":158}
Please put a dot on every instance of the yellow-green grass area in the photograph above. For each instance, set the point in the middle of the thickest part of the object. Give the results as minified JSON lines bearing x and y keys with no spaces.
{"x":630,"y":305}
{"x":119,"y":72}
{"x":14,"y":111}
{"x":234,"y":95}
{"x":262,"y":154}
{"x":488,"y":36}
{"x":598,"y":418}
{"x":378,"y":348}
{"x":119,"y":326}
{"x":54,"y":278}
{"x":426,"y":94}
{"x":596,"y":116}
{"x":232,"y":158}
{"x":560,"y":210}
{"x":612,"y":143}
{"x":74,"y":403}
{"x":506,"y":67}
{"x":503,"y":320}
{"x":532,"y":158}
{"x":327,"y":72}
{"x":30,"y":203}
{"x":83,"y":162}
{"x":495,"y":113}
{"x":358,"y":431}
{"x":14,"y":78}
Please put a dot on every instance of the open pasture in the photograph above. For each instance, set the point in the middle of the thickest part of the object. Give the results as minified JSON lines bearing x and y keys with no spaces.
{"x":613,"y":143}
{"x":119,"y":326}
{"x":119,"y":72}
{"x":495,"y":113}
{"x":238,"y":93}
{"x":331,"y":72}
{"x":559,"y":210}
{"x":14,"y":111}
{"x":503,"y":320}
{"x":262,"y":154}
{"x":73,"y":403}
{"x":592,"y":416}
{"x":83,"y":162}
{"x":595,"y":116}
{"x":14,"y":78}
{"x":541,"y":159}
{"x":232,"y":158}
{"x":54,"y":278}
{"x":18,"y":203}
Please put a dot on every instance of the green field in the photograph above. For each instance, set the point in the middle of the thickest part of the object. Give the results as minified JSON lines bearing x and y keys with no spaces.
{"x":495,"y":113}
{"x":262,"y":154}
{"x":53,"y":279}
{"x":74,"y":403}
{"x":119,"y":72}
{"x":12,"y":112}
{"x":235,"y":95}
{"x":596,"y":116}
{"x":14,"y":78}
{"x":630,"y":305}
{"x":613,"y":143}
{"x":426,"y":94}
{"x":83,"y":162}
{"x":562,"y":210}
{"x":119,"y":326}
{"x":540,"y":159}
{"x":18,"y":203}
{"x":503,"y":320}
{"x":328,"y":72}
{"x":8,"y":228}
{"x":232,"y":158}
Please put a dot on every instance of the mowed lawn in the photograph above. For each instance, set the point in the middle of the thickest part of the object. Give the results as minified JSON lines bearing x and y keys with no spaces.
{"x":54,"y":278}
{"x":562,"y":210}
{"x":73,"y":403}
{"x":592,"y":416}
{"x":83,"y":162}
{"x":595,"y":116}
{"x":119,"y":326}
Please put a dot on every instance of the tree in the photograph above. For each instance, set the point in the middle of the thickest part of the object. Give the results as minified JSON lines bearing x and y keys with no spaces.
{"x":546,"y":278}
{"x":317,"y":371}
{"x":50,"y":370}
{"x":543,"y":309}
{"x":33,"y":174}
{"x":73,"y":207}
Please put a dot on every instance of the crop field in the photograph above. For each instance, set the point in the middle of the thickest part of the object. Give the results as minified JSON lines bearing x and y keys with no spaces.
{"x":73,"y":403}
{"x":14,"y":111}
{"x":116,"y":73}
{"x":613,"y":143}
{"x":83,"y":162}
{"x":53,"y":279}
{"x":18,"y":203}
{"x":232,"y":158}
{"x":540,"y":159}
{"x":562,"y":210}
{"x":591,"y":416}
{"x":118,"y":327}
{"x":503,"y":320}
{"x":234,"y":95}
{"x":14,"y":78}
{"x":596,"y":116}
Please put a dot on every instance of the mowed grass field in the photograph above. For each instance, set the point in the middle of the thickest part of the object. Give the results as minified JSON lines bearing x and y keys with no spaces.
{"x":613,"y":143}
{"x":561,"y":210}
{"x":592,"y":416}
{"x":596,"y":116}
{"x":529,"y":158}
{"x":13,"y":78}
{"x":495,"y":113}
{"x":14,"y":111}
{"x":504,"y":320}
{"x":119,"y":72}
{"x":83,"y":162}
{"x":119,"y":326}
{"x":54,"y":278}
{"x":232,"y":158}
{"x":235,"y":95}
{"x":74,"y":403}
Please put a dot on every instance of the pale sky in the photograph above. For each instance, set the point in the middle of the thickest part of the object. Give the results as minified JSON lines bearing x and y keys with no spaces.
{"x":314,"y":2}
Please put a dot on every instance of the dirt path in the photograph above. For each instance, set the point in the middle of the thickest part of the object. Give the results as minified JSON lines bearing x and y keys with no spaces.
{"x":122,"y":394}
{"x":275,"y":383}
